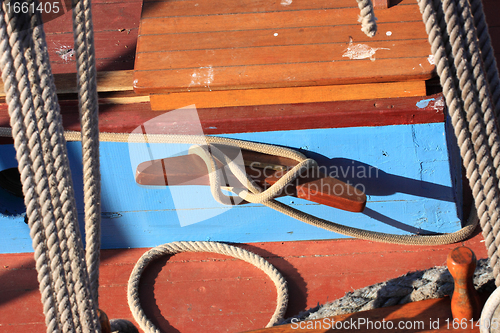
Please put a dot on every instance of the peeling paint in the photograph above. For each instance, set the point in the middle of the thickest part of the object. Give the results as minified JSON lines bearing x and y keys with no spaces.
{"x":388,"y":33}
{"x":65,"y":52}
{"x":424,"y":103}
{"x":361,"y":51}
{"x":430,"y":59}
{"x":286,"y":2}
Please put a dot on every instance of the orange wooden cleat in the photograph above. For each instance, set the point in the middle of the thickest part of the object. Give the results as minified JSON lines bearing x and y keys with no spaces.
{"x":264,"y":169}
{"x":465,"y":301}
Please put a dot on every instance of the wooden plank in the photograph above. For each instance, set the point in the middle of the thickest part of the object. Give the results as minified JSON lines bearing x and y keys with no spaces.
{"x":272,"y":19}
{"x":289,"y":36}
{"x":160,"y":102}
{"x":115,"y":50}
{"x":105,"y":16}
{"x":155,"y":8}
{"x":291,"y":54}
{"x":124,"y":119}
{"x":106,"y":82}
{"x":282,"y":75}
{"x":178,"y":293}
{"x":425,"y":316}
{"x":222,"y":54}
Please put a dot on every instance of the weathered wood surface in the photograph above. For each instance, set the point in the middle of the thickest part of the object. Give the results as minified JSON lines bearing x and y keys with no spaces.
{"x":250,"y":44}
{"x":116,"y":24}
{"x":196,"y":292}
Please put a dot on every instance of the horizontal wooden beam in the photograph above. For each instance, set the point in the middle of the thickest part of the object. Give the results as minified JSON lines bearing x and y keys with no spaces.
{"x":106,"y":82}
{"x":292,"y":95}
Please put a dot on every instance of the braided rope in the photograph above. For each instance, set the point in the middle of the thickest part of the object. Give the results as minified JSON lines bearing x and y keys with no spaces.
{"x":367,"y":17}
{"x":89,"y":118}
{"x":212,"y":247}
{"x":42,"y":157}
{"x":471,"y":112}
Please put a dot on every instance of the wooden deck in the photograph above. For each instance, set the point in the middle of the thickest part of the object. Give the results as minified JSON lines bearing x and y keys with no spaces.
{"x":213,"y":293}
{"x":202,"y":292}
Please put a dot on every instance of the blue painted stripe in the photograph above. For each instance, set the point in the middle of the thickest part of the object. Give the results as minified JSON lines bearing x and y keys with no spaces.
{"x":410,"y":189}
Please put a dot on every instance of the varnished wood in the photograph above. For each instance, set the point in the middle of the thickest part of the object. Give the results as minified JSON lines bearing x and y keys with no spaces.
{"x":166,"y":8}
{"x":292,"y":95}
{"x":327,"y":191}
{"x":248,"y":45}
{"x":465,"y":301}
{"x":397,"y":111}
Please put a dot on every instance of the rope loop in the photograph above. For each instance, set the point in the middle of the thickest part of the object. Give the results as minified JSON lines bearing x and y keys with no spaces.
{"x":212,"y":247}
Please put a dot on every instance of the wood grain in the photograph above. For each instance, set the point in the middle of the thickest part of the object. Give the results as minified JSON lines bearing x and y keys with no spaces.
{"x":183,"y":46}
{"x":286,"y":36}
{"x":106,"y":82}
{"x":272,"y":19}
{"x":290,"y":54}
{"x":155,"y":8}
{"x":162,"y":102}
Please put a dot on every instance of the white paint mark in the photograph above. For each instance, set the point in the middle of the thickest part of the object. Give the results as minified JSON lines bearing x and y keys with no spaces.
{"x":421,"y":66}
{"x":286,"y":2}
{"x":275,"y":34}
{"x":430,"y":59}
{"x":202,"y":76}
{"x":361,"y":51}
{"x":439,"y":103}
{"x":388,"y":33}
{"x":65,"y":52}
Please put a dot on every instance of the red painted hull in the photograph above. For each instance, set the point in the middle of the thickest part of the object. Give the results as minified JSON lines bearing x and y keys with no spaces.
{"x":207,"y":292}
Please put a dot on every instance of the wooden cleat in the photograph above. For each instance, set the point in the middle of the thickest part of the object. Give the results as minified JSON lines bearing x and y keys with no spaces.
{"x":465,"y":301}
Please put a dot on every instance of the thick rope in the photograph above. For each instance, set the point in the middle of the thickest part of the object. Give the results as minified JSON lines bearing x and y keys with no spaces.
{"x":89,"y":118}
{"x":39,"y":141}
{"x":367,"y":17}
{"x":212,"y":247}
{"x":467,"y":97}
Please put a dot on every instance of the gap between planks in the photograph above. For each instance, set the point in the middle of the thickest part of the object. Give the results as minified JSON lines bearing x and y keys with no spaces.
{"x":114,"y":87}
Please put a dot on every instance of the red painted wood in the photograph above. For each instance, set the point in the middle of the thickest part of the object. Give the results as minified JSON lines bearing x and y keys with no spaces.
{"x":115,"y":50}
{"x":208,"y":292}
{"x":126,"y":118}
{"x":105,"y":16}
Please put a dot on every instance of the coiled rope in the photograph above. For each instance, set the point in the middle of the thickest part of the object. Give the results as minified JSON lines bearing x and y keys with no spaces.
{"x":213,"y":247}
